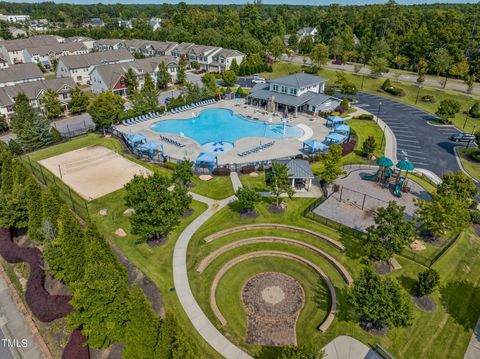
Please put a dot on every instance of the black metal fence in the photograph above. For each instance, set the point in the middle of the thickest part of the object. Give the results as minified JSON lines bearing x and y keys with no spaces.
{"x":48,"y":179}
{"x":67,"y":132}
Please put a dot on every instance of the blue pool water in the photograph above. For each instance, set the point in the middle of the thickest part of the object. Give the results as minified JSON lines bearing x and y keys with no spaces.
{"x":218,"y":124}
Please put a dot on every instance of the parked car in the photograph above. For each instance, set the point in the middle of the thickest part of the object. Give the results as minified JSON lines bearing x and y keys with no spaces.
{"x":462,"y":137}
{"x":337,"y":62}
{"x":259,"y":80}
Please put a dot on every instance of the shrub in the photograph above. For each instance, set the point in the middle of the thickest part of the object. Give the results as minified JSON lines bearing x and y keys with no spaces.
{"x":248,"y":169}
{"x":386,"y":84}
{"x":330,"y":91}
{"x":340,"y":109}
{"x":365,"y":117}
{"x":475,"y":110}
{"x":428,"y":98}
{"x":395,"y":91}
{"x":475,"y":156}
{"x":221,"y":171}
{"x":56,"y":135}
{"x":336,"y":113}
{"x":427,"y":281}
{"x":369,"y":146}
{"x":345,"y":104}
{"x":475,"y":216}
{"x":3,"y":123}
{"x":15,"y":147}
{"x":170,"y":165}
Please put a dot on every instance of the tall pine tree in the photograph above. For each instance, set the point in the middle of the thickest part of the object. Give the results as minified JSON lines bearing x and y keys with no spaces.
{"x":35,"y":210}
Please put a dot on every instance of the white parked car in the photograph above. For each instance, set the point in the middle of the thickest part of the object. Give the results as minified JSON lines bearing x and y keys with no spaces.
{"x":258,"y":80}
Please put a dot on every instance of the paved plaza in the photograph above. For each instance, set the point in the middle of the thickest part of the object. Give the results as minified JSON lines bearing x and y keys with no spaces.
{"x":355,"y":202}
{"x":313,"y":128}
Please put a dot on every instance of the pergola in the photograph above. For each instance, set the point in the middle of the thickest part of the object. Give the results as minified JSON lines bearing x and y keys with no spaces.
{"x":333,"y":121}
{"x":135,"y":138}
{"x":205,"y":159}
{"x":314,"y":146}
{"x":150,"y":148}
{"x":333,"y":137}
{"x":343,"y":130}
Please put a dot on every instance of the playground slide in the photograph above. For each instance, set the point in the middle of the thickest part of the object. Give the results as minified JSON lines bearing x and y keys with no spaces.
{"x":398,"y":186}
{"x":372,"y":177}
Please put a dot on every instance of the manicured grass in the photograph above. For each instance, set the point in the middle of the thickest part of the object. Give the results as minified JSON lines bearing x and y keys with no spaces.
{"x":470,"y":165}
{"x":155,"y":262}
{"x":443,"y":333}
{"x":257,"y":183}
{"x":219,"y":187}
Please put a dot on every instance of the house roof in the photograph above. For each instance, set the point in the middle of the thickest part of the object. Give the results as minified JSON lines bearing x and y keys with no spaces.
{"x":298,"y":80}
{"x":56,"y":48}
{"x":34,"y":89}
{"x":95,"y":58}
{"x":21,"y":72}
{"x":297,"y":168}
{"x":96,"y":21}
{"x":20,"y":44}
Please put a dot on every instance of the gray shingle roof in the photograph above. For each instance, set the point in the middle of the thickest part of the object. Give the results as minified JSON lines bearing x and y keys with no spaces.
{"x":298,"y":80}
{"x":20,"y":44}
{"x":96,"y":58}
{"x":21,"y":72}
{"x":297,"y":168}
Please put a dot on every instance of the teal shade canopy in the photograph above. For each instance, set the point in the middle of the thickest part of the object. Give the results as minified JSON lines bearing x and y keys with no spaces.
{"x":384,"y":162}
{"x":405,"y":165}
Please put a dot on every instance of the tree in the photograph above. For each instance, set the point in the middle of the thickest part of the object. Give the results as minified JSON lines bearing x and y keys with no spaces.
{"x":100,"y":298}
{"x":422,"y":68}
{"x":331,"y":164}
{"x":390,"y":234}
{"x":336,"y":46}
{"x":401,"y":61}
{"x":66,"y":254}
{"x":235,"y":67}
{"x":51,"y":212}
{"x":106,"y":109}
{"x":157,"y":209}
{"x":142,"y":327}
{"x":378,"y":65}
{"x":33,"y":130}
{"x":132,"y":82}
{"x":13,"y":203}
{"x":247,"y":198}
{"x":229,"y":77}
{"x":278,"y":181}
{"x":477,"y":138}
{"x":51,"y":103}
{"x":369,"y":146}
{"x":348,"y":88}
{"x":470,"y":82}
{"x":460,"y":185}
{"x":146,"y":100}
{"x":319,"y":54}
{"x":172,"y":342}
{"x":427,"y":281}
{"x":163,"y":76}
{"x":3,"y":124}
{"x":474,"y":111}
{"x":34,"y":210}
{"x":210,"y":83}
{"x":444,"y":214}
{"x":441,"y":62}
{"x":79,"y":100}
{"x":447,"y":109}
{"x":460,"y":69}
{"x":183,"y":172}
{"x":305,"y":45}
{"x":181,"y":76}
{"x":380,"y":302}
{"x":293,"y":41}
{"x":276,"y":47}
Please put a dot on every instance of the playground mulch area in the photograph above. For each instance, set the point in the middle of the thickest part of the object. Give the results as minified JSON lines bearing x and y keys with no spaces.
{"x":357,"y":200}
{"x":93,"y":171}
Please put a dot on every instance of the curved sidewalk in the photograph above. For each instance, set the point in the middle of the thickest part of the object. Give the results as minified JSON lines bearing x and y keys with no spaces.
{"x":182,"y":286}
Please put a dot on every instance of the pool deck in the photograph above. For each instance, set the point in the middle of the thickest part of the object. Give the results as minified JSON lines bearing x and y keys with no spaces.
{"x":285,"y":147}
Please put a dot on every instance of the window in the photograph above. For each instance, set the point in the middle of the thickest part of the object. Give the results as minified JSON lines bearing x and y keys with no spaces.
{"x":293,"y":91}
{"x":65,"y":95}
{"x":284,"y":89}
{"x":275,"y":88}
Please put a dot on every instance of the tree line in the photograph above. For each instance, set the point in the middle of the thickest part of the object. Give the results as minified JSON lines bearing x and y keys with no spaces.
{"x":105,"y":308}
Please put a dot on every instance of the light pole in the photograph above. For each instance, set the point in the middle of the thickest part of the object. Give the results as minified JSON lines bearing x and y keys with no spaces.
{"x":418,"y":93}
{"x":378,"y":112}
{"x":363,"y":79}
{"x":466,"y":118}
{"x":473,"y":131}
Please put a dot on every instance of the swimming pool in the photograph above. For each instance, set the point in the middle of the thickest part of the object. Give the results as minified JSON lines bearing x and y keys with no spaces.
{"x":219,"y":124}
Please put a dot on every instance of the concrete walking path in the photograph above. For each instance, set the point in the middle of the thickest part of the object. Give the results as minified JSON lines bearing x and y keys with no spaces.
{"x":182,"y":286}
{"x":473,"y":349}
{"x":236,"y":183}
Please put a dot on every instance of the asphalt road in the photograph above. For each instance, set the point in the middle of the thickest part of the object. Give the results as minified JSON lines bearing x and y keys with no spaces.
{"x":424,"y":145}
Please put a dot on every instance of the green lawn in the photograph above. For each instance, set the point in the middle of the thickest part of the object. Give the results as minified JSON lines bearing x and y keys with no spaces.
{"x":470,"y":165}
{"x":219,"y":187}
{"x":257,"y":183}
{"x":372,"y":85}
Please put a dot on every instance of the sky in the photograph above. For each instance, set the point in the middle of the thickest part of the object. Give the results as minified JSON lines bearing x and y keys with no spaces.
{"x":291,"y":2}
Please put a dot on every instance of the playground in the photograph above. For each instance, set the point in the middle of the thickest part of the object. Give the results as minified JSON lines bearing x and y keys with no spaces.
{"x":364,"y":189}
{"x":93,"y":171}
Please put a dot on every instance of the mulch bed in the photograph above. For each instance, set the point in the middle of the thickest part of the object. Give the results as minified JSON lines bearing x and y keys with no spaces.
{"x":75,"y":348}
{"x":425,"y":303}
{"x":374,"y":329}
{"x":428,"y":237}
{"x":153,"y":242}
{"x":382,"y":267}
{"x":188,"y":212}
{"x":248,"y":214}
{"x":273,"y":208}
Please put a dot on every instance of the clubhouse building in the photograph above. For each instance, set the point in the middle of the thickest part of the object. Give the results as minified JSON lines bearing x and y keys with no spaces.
{"x":295,"y":93}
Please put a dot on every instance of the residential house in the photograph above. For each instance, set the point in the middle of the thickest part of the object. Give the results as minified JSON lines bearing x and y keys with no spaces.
{"x":16,"y":32}
{"x":112,"y":76}
{"x":96,"y":22}
{"x":295,"y":93}
{"x":222,"y":60}
{"x":78,"y":67}
{"x":87,"y":41}
{"x":19,"y":74}
{"x":109,"y":44}
{"x":34,"y":92}
{"x":155,"y":23}
{"x":202,"y":54}
{"x":14,"y":50}
{"x":181,"y":50}
{"x":15,"y":18}
{"x":46,"y":54}
{"x":307,"y":31}
{"x":40,"y":25}
{"x":124,"y":23}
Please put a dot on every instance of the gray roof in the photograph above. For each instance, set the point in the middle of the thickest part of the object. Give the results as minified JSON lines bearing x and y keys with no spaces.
{"x":21,"y":72}
{"x":297,"y":168}
{"x":298,"y":80}
{"x":34,"y":89}
{"x":56,"y":48}
{"x":96,"y":58}
{"x":20,"y":44}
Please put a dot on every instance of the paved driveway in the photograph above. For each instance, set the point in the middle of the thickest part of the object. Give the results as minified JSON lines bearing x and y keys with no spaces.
{"x":424,"y":145}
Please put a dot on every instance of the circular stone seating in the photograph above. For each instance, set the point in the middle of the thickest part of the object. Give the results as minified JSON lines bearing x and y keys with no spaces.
{"x":216,"y":280}
{"x":243,"y":242}
{"x":284,"y":227}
